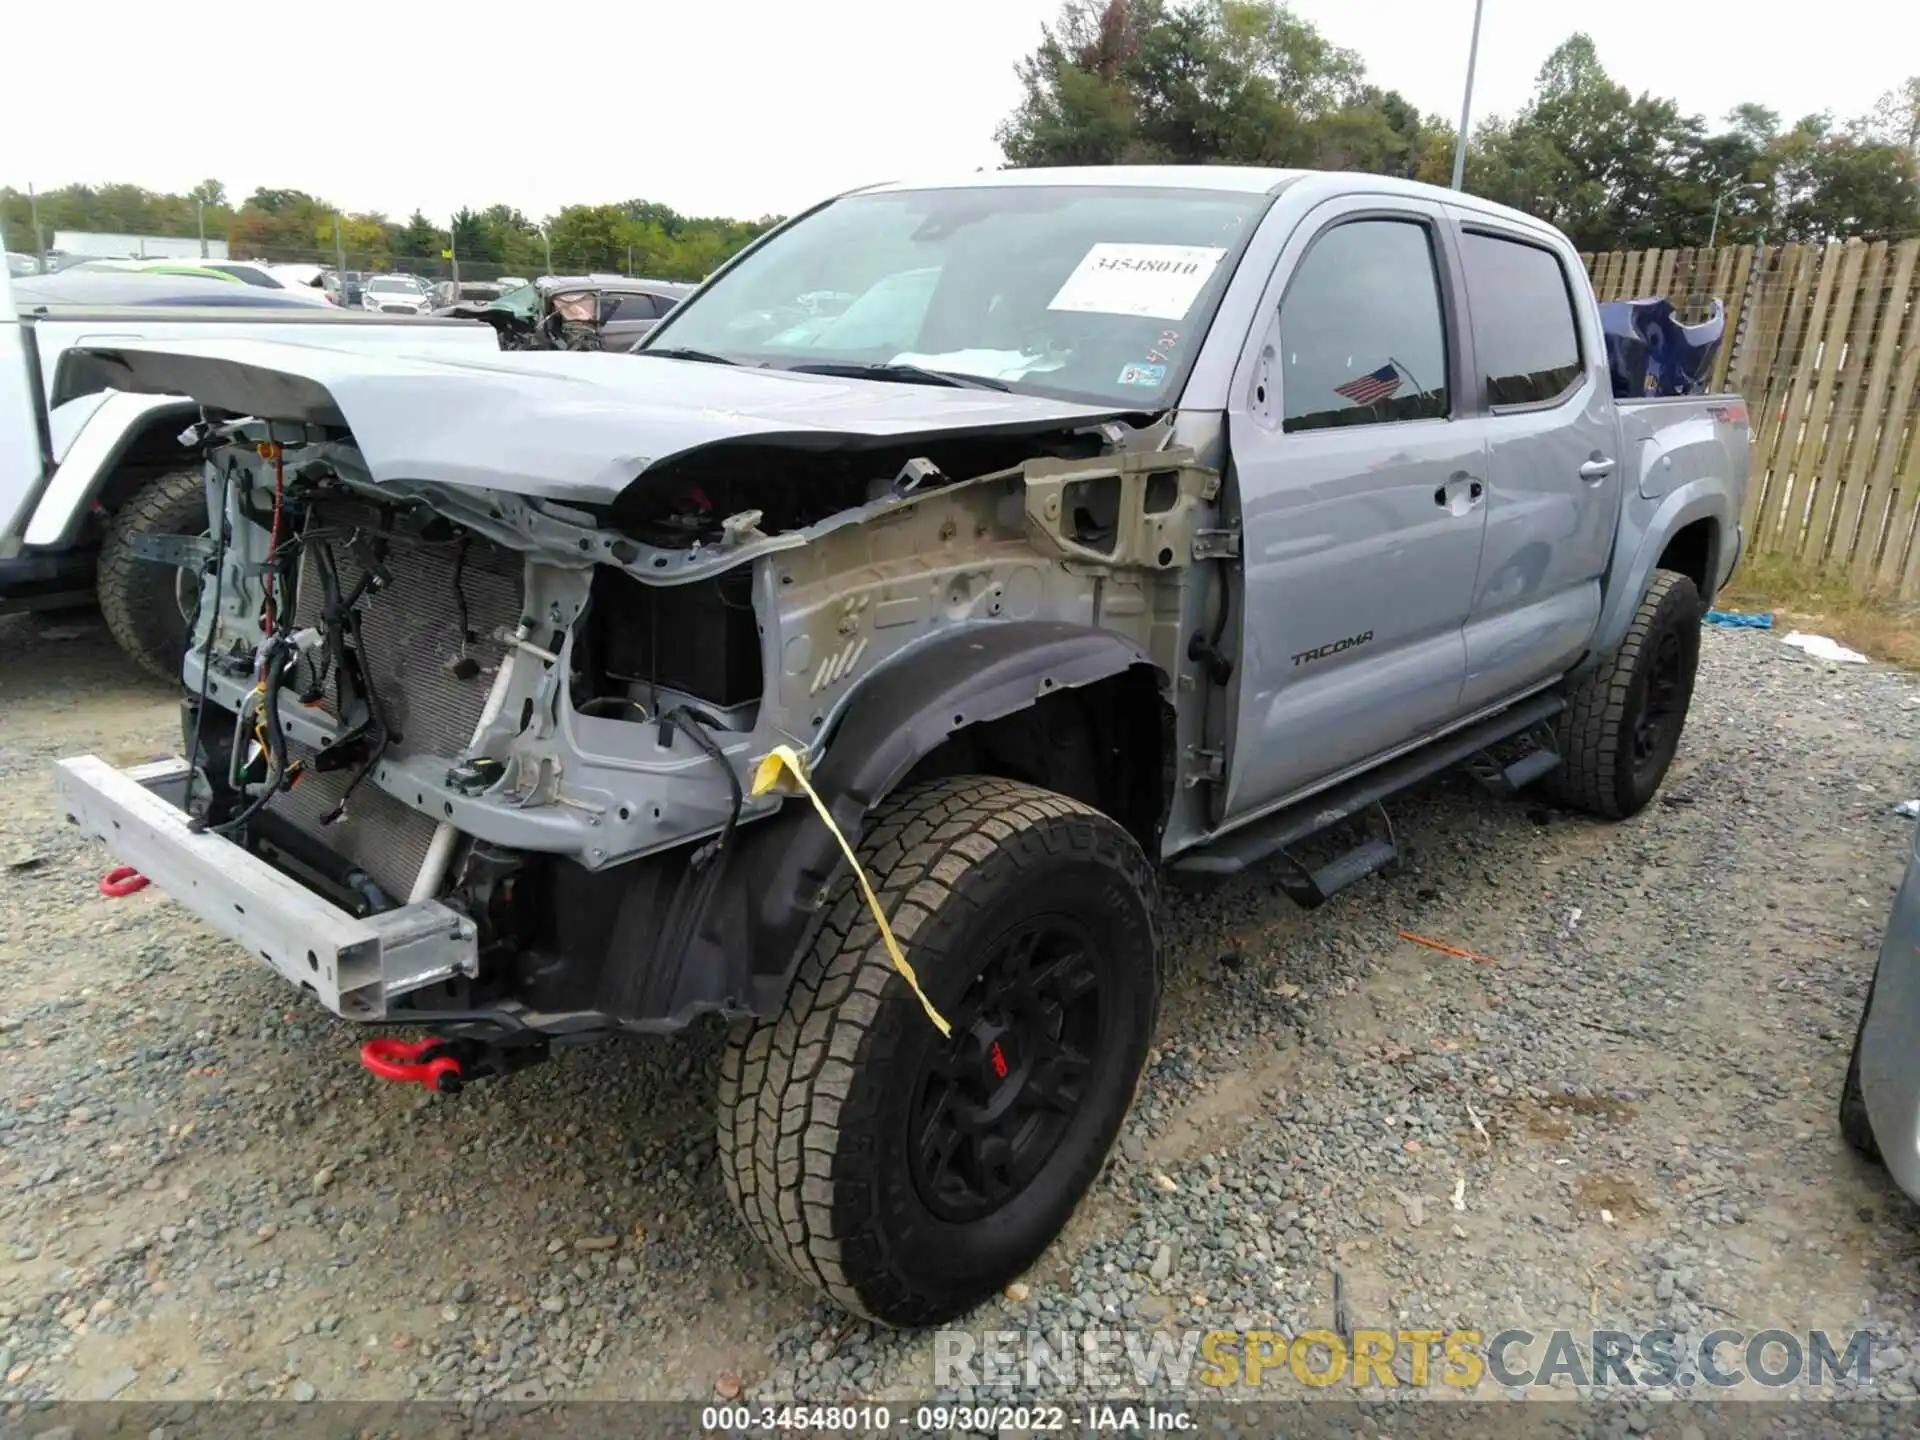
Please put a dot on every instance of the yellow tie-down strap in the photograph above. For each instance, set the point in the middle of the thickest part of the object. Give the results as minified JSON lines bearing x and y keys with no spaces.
{"x":767,"y":776}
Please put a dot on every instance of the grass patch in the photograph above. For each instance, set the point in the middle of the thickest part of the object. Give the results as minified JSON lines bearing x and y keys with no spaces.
{"x":1885,"y":629}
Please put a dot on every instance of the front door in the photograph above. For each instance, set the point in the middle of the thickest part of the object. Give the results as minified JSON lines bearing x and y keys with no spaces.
{"x":1362,"y":502}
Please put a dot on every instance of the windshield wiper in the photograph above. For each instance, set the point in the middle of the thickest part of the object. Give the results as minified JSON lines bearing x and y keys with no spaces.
{"x":681,"y":352}
{"x":905,"y":374}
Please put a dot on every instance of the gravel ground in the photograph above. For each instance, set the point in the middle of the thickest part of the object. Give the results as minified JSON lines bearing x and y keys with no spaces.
{"x":201,"y":1195}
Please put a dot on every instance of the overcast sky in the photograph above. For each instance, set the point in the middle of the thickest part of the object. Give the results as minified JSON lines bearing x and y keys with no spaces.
{"x":751,"y":107}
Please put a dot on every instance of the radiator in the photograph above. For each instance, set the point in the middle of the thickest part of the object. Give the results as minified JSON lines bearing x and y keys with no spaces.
{"x":411,"y":631}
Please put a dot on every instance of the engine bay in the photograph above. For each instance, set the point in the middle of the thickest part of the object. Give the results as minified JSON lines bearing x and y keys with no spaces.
{"x":397,"y":687}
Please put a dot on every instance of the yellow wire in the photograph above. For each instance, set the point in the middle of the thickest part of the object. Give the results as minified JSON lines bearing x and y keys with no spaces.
{"x":780,"y":762}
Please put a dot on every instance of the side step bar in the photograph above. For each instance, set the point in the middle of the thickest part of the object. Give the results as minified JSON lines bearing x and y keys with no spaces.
{"x":1504,"y":780}
{"x":1241,"y":849}
{"x":1310,"y":889}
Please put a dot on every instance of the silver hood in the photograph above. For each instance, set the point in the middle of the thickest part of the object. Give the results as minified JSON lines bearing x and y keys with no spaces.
{"x":560,"y":425}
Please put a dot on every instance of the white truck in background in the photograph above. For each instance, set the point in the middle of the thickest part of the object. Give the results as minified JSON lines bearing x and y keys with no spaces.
{"x":85,"y":487}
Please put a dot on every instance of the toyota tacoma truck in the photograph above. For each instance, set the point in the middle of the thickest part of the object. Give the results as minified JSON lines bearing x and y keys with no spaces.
{"x":855,"y":677}
{"x":98,"y":485}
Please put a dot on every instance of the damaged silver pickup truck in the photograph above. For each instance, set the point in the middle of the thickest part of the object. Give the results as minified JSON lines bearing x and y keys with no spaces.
{"x":1099,"y":523}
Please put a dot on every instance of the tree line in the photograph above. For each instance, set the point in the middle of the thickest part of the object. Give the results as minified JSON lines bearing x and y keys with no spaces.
{"x":1249,"y":82}
{"x":1189,"y":82}
{"x":290,"y":225}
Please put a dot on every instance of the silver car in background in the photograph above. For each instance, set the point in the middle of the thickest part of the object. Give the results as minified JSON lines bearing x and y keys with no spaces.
{"x":395,"y":295}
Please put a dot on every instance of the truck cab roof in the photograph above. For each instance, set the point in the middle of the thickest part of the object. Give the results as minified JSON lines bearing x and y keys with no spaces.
{"x":1243,"y":179}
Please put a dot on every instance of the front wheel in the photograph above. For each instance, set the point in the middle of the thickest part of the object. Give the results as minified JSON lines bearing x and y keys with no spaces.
{"x":147,"y":605}
{"x":1623,"y":720}
{"x":910,"y":1176}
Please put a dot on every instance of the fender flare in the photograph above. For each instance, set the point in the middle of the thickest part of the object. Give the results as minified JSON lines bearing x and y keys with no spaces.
{"x":908,"y":708}
{"x":769,"y":903}
{"x":896,"y":717}
{"x":90,"y":461}
{"x":1703,"y":499}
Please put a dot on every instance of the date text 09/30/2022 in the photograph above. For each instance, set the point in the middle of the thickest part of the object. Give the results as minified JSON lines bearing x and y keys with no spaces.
{"x":942,"y":1419}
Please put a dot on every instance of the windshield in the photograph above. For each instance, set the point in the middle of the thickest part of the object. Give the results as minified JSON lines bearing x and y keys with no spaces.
{"x":522,"y":302}
{"x":1090,"y":293}
{"x":392,"y":285}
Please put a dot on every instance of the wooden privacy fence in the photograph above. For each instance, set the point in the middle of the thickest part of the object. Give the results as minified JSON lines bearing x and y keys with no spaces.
{"x":1824,"y":343}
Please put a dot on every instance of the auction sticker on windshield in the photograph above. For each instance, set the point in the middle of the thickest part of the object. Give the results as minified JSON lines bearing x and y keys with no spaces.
{"x":1155,"y":281}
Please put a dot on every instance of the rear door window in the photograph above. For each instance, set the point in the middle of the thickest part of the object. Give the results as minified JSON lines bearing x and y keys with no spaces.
{"x":634,"y":307}
{"x":1524,"y":331}
{"x":1362,"y":332}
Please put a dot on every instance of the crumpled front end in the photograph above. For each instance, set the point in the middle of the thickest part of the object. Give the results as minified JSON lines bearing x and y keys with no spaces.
{"x":519,"y":734}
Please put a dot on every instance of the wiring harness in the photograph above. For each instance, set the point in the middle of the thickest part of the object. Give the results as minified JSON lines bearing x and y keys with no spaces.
{"x":334,"y":652}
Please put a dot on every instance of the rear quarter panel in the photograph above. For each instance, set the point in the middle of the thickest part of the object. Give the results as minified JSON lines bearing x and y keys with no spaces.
{"x":1687,"y":460}
{"x":1675,"y":442}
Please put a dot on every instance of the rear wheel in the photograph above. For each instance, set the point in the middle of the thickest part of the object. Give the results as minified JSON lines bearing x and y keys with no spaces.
{"x":1623,"y":721}
{"x":147,"y":605}
{"x":907,"y":1175}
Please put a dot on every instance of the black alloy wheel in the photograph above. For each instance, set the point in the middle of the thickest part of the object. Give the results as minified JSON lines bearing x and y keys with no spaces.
{"x":992,"y":1104}
{"x":1657,"y":731}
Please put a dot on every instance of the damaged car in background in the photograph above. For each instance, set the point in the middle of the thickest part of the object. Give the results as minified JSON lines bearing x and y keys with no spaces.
{"x":574,"y":312}
{"x":849,"y":670}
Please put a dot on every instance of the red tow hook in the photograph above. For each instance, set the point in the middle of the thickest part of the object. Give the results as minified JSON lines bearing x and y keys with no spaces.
{"x":418,"y":1062}
{"x":122,"y":880}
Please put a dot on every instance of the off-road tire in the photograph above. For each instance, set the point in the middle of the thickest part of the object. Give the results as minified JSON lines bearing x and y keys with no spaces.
{"x":138,"y":599}
{"x":1855,"y":1128}
{"x":1598,"y":771}
{"x":816,"y":1105}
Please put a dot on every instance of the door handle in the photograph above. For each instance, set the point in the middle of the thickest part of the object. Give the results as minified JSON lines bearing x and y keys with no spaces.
{"x":1597,"y":468}
{"x":1460,"y":494}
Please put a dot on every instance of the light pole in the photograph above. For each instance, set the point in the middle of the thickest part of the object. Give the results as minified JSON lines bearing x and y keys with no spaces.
{"x":39,"y":240}
{"x":1713,"y":232}
{"x":1466,"y":101}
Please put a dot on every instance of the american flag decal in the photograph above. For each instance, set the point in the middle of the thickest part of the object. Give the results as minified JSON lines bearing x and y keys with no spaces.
{"x":1376,"y":385}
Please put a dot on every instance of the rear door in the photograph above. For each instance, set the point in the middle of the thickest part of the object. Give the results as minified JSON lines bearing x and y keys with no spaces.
{"x":1361,"y":496}
{"x":1554,"y":462}
{"x":626,"y":318}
